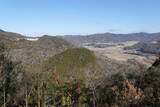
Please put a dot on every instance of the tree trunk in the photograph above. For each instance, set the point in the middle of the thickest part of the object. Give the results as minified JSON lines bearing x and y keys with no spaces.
{"x":94,"y":97}
{"x":39,"y":103}
{"x":38,"y":91}
{"x":4,"y":97}
{"x":26,"y":99}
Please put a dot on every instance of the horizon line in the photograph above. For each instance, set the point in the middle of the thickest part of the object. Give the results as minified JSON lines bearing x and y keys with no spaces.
{"x":42,"y":34}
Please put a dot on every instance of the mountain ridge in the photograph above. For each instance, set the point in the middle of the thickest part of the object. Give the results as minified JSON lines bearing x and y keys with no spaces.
{"x":30,"y":51}
{"x":112,"y":37}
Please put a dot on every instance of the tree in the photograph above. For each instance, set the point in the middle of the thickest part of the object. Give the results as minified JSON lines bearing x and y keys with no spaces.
{"x":9,"y":77}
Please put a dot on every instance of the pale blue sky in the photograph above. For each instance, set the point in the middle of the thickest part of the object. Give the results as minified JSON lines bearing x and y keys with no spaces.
{"x":64,"y":17}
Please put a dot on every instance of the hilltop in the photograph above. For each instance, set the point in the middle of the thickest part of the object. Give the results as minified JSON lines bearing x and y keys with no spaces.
{"x":73,"y":63}
{"x":75,"y":57}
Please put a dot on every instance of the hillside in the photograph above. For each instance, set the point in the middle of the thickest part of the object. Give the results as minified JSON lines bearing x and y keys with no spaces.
{"x":67,"y":60}
{"x":28,"y":51}
{"x":83,"y":64}
{"x":78,"y":75}
{"x":73,"y":64}
{"x":144,"y":47}
{"x":111,"y":37}
{"x":10,"y":35}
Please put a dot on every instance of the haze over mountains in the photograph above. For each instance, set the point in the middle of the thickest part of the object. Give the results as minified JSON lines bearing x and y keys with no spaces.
{"x":99,"y":37}
{"x":111,"y":37}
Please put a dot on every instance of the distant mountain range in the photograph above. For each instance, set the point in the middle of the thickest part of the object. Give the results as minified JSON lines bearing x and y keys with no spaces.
{"x":110,"y":37}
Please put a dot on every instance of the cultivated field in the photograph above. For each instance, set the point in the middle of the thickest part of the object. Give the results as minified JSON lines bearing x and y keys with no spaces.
{"x":116,"y":52}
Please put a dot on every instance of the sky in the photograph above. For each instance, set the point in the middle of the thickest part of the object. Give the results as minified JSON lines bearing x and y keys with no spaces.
{"x":74,"y":17}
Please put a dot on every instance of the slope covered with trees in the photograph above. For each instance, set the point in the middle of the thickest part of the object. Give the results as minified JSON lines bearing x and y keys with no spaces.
{"x":75,"y":77}
{"x":29,"y":52}
{"x":46,"y":87}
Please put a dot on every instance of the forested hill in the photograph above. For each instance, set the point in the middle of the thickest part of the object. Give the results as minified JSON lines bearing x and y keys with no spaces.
{"x":9,"y":35}
{"x":31,"y":50}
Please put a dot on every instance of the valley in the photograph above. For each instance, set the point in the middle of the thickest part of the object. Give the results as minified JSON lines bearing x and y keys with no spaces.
{"x":116,"y":51}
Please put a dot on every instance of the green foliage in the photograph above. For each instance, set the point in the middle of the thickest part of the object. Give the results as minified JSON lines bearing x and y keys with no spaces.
{"x":74,"y":94}
{"x":9,"y":79}
{"x":72,"y":64}
{"x":107,"y":96}
{"x":150,"y":83}
{"x":2,"y":47}
{"x":70,"y":59}
{"x":119,"y":80}
{"x":10,"y":44}
{"x":39,"y":88}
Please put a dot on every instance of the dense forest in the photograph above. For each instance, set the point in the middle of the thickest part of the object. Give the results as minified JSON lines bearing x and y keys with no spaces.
{"x":48,"y":85}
